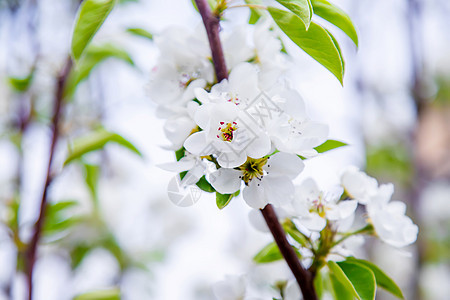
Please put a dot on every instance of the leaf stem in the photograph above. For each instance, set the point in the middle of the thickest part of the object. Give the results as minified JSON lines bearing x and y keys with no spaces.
{"x":248,"y":5}
{"x":30,"y":255}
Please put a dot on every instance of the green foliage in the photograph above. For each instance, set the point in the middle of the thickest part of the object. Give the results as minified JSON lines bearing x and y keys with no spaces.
{"x":91,"y":177}
{"x":58,"y":219}
{"x":141,"y":32}
{"x":204,"y":185}
{"x":302,"y":8}
{"x":329,"y":145}
{"x":269,"y":253}
{"x":94,"y":55}
{"x":21,"y":85}
{"x":352,"y":280}
{"x":362,"y":279}
{"x":90,"y":17}
{"x":337,"y":17}
{"x":223,"y":200}
{"x":96,"y":140}
{"x":255,"y":14}
{"x":342,"y":286}
{"x":316,"y":41}
{"x":111,"y":294}
{"x":290,"y":228}
{"x":392,"y":161}
{"x":382,"y":279}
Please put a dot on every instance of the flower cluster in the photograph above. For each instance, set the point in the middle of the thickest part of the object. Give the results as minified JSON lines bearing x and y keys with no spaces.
{"x":248,"y":130}
{"x":249,"y":134}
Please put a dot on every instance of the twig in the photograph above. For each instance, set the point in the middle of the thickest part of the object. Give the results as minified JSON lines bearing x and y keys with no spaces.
{"x":303,"y":276}
{"x":30,"y":254}
{"x":211,"y":23}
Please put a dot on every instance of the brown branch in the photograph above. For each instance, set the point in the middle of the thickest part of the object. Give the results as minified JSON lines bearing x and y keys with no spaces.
{"x":30,"y":255}
{"x":303,"y":276}
{"x":211,"y":23}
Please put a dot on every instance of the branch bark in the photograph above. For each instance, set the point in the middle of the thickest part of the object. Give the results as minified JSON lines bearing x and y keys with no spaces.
{"x":211,"y":23}
{"x":303,"y":276}
{"x":30,"y":255}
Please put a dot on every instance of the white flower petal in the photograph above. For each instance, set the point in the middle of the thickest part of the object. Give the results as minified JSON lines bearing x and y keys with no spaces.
{"x":284,"y":164}
{"x":226,"y":181}
{"x":196,"y":143}
{"x":254,"y":195}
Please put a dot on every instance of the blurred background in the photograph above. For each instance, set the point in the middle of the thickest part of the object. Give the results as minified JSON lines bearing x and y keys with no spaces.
{"x":109,"y":222}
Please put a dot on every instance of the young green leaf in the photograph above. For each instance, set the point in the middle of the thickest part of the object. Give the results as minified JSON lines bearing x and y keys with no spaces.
{"x":269,"y":253}
{"x":295,"y":234}
{"x":255,"y":14}
{"x":335,"y":16}
{"x":141,"y":32}
{"x":223,"y":200}
{"x":204,"y":185}
{"x":94,"y":141}
{"x":340,"y":281}
{"x":21,"y":84}
{"x":382,"y":279}
{"x":315,"y":41}
{"x":336,"y":44}
{"x":94,"y":55}
{"x":329,"y":145}
{"x":91,"y":15}
{"x":91,"y":178}
{"x":361,"y":277}
{"x":302,"y":8}
{"x":339,"y":290}
{"x":111,"y":294}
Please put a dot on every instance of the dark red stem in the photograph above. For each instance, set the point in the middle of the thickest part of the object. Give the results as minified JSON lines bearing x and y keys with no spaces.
{"x":211,"y":22}
{"x":304,"y":277}
{"x":30,"y":255}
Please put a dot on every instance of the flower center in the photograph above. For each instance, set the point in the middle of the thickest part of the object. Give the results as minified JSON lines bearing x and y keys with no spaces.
{"x":252,"y":168}
{"x":319,"y":207}
{"x":226,"y":131}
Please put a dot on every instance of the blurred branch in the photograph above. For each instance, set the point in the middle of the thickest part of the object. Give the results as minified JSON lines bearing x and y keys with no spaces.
{"x":57,"y":111}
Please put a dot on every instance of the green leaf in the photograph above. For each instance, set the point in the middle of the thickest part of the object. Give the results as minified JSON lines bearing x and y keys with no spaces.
{"x":179,"y":154}
{"x":91,"y":15}
{"x":94,"y":141}
{"x":255,"y":14}
{"x":21,"y":84}
{"x":141,"y":32}
{"x":340,"y":291}
{"x":340,"y":281}
{"x":91,"y":178}
{"x":204,"y":185}
{"x":295,"y":234}
{"x":223,"y":200}
{"x":111,"y":294}
{"x":382,"y":279}
{"x":315,"y":41}
{"x":337,"y":17}
{"x":318,"y":284}
{"x":329,"y":145}
{"x":268,"y":254}
{"x":302,"y":8}
{"x":94,"y":55}
{"x":362,"y":279}
{"x":336,"y":44}
{"x":57,"y":219}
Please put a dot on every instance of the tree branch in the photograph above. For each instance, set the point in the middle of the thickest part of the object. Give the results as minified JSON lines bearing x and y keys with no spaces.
{"x":211,"y":23}
{"x":303,"y":276}
{"x":30,"y":255}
